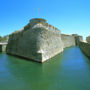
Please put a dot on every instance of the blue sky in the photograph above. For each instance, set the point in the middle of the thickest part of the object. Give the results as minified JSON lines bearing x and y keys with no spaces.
{"x":70,"y":16}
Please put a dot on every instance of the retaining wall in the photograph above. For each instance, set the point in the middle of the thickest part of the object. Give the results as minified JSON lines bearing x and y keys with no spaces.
{"x":85,"y":47}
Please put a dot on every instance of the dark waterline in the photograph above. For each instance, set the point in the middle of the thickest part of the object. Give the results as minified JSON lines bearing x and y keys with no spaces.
{"x":67,"y":71}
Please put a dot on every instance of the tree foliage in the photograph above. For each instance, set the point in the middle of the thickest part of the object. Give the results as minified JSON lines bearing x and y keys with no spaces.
{"x":4,"y":39}
{"x":0,"y":38}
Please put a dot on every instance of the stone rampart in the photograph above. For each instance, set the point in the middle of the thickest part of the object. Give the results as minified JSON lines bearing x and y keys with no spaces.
{"x":68,"y":40}
{"x":40,"y":41}
{"x":85,"y":47}
{"x":37,"y":41}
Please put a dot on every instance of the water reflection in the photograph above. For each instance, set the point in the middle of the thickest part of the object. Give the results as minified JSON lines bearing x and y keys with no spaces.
{"x":36,"y":74}
{"x":67,"y":71}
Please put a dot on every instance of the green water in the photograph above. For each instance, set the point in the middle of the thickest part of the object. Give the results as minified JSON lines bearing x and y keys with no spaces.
{"x":67,"y":71}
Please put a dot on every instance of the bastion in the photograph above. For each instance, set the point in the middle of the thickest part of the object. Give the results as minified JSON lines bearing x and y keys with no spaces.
{"x":37,"y":41}
{"x":85,"y":46}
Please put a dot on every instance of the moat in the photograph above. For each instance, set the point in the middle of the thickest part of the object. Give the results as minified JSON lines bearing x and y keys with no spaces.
{"x":69,"y":70}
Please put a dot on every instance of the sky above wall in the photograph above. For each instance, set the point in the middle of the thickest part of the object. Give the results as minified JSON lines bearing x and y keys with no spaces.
{"x":70,"y":16}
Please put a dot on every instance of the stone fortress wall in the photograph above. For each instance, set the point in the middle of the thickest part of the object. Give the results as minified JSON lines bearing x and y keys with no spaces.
{"x":68,"y":40}
{"x":85,"y":47}
{"x":39,"y":41}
